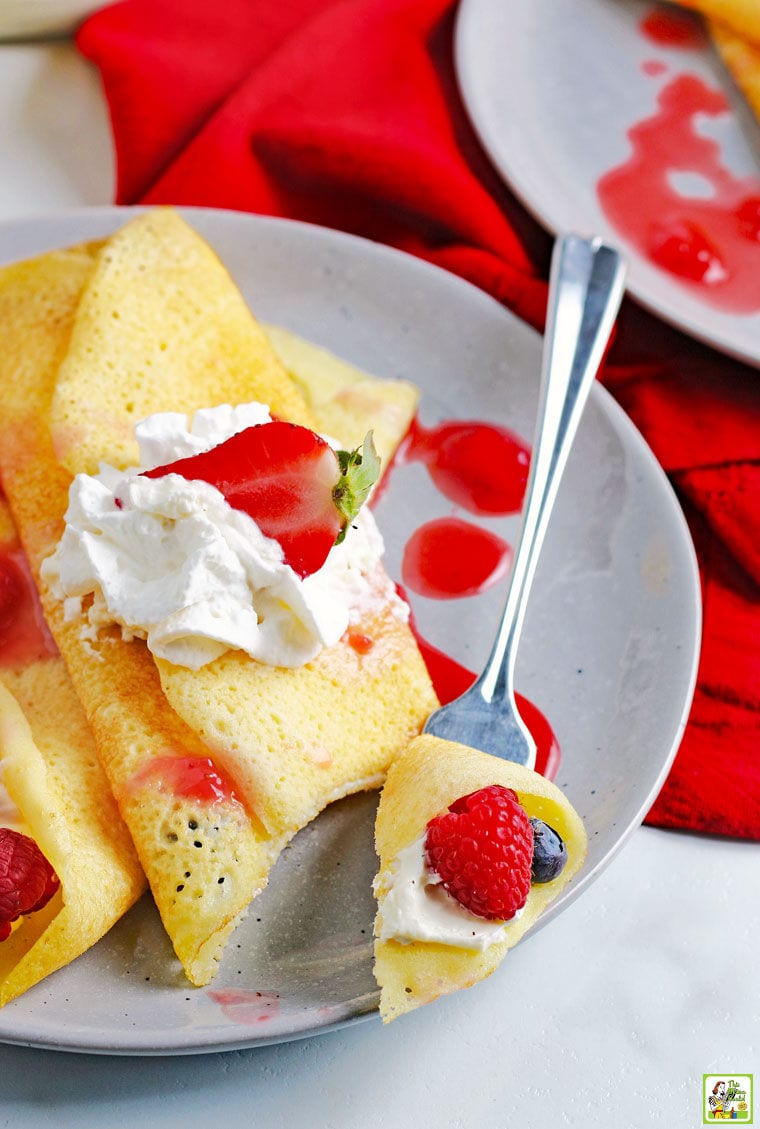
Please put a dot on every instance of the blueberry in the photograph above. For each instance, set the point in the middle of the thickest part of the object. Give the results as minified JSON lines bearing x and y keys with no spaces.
{"x":549,"y":852}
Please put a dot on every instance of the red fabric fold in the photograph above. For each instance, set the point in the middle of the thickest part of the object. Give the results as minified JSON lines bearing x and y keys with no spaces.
{"x":346,"y":113}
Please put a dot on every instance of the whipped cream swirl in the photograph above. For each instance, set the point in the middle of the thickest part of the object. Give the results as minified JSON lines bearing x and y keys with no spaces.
{"x":170,"y":561}
{"x":414,"y":906}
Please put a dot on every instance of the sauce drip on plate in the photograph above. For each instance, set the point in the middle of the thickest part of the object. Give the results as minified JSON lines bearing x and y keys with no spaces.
{"x":673,"y":29}
{"x":451,"y":679}
{"x":483,"y":468}
{"x":24,"y":634}
{"x":447,"y":557}
{"x":676,"y":201}
{"x":189,"y":777}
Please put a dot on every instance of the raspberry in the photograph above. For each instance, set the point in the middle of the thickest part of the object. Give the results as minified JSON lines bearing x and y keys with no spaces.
{"x":482,"y":849}
{"x":27,"y":880}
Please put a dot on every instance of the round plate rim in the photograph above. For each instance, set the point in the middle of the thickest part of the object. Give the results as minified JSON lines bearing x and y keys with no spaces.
{"x":502,"y":152}
{"x":110,"y":215}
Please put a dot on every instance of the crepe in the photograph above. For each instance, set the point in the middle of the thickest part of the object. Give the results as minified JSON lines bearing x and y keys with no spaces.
{"x":159,"y":324}
{"x":734,"y":28}
{"x":343,"y":399}
{"x":742,"y":58}
{"x":213,"y":771}
{"x":55,"y":791}
{"x":742,"y":16}
{"x":421,"y":783}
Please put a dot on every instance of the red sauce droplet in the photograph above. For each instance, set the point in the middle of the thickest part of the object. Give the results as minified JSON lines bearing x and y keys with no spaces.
{"x":24,"y":635}
{"x":749,"y":218}
{"x":479,"y":466}
{"x":245,"y":1005}
{"x":654,"y":67}
{"x":191,"y":778}
{"x":708,"y":240}
{"x":11,"y":593}
{"x":447,"y":558}
{"x":673,"y":29}
{"x":684,"y":249}
{"x":450,"y":679}
{"x":360,"y":642}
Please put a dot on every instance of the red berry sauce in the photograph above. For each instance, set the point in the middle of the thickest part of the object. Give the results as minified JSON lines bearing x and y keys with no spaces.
{"x":483,"y":468}
{"x":190,"y":778}
{"x":673,"y":29}
{"x":24,"y":635}
{"x":480,"y":466}
{"x":675,"y":200}
{"x":246,"y":1006}
{"x":360,"y":642}
{"x":447,"y":557}
{"x":450,"y":679}
{"x":654,"y":67}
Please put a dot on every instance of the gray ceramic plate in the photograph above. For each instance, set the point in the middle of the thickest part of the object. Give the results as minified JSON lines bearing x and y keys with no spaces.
{"x":552,"y":88}
{"x":609,"y":654}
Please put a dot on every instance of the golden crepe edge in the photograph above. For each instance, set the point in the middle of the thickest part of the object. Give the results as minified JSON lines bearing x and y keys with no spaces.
{"x":180,"y":843}
{"x":422,"y":782}
{"x":60,"y":797}
{"x":741,"y":16}
{"x":734,"y":30}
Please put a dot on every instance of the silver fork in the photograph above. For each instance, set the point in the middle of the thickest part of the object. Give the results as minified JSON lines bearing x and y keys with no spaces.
{"x":585,"y":290}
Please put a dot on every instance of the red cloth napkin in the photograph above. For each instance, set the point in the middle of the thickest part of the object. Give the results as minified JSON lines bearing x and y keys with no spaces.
{"x":346,"y":113}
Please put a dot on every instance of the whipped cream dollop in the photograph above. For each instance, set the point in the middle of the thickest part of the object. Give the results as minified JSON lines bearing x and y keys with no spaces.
{"x":414,"y":906}
{"x":170,"y":561}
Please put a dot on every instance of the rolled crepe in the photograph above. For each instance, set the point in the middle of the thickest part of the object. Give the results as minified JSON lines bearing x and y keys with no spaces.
{"x":55,"y":791}
{"x":742,"y":59}
{"x":99,"y":337}
{"x":734,"y":28}
{"x":741,"y":16}
{"x":421,"y":784}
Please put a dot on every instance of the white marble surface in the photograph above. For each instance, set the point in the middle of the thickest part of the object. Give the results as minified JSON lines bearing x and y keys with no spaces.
{"x":609,"y":1017}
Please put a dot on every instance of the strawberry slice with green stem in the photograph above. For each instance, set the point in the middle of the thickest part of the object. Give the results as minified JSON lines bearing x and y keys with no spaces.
{"x":295,"y":486}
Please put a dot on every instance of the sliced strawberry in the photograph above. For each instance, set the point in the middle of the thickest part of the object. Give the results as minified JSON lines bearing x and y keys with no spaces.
{"x":27,"y":880}
{"x":296,"y":488}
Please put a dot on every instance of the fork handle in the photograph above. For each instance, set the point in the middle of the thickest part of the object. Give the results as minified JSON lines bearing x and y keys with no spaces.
{"x":587,"y":286}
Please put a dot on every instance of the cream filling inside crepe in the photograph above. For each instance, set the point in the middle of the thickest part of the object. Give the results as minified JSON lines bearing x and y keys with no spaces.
{"x":10,"y":816}
{"x":414,"y":906}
